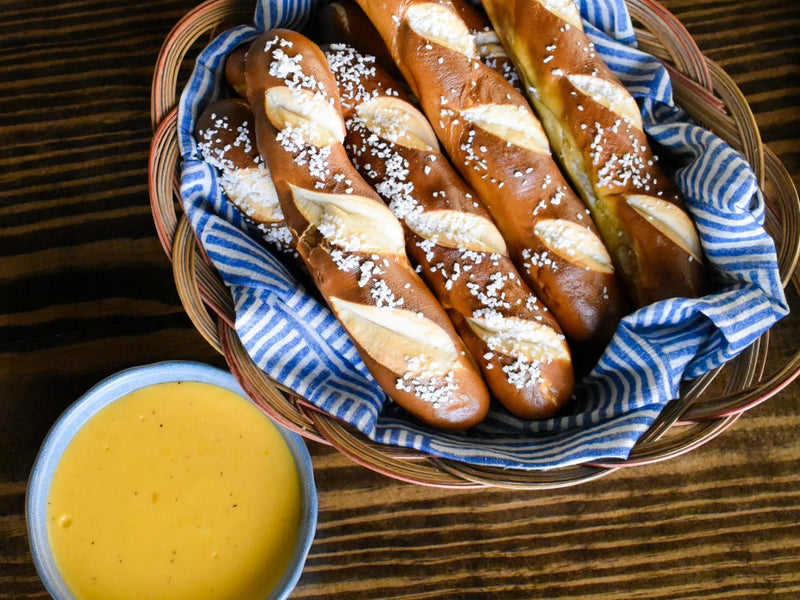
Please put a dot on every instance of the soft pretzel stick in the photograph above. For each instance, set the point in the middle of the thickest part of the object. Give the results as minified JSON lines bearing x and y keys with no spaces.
{"x":351,"y":242}
{"x":596,"y":128}
{"x":494,"y":140}
{"x":460,"y":253}
{"x":225,"y":136}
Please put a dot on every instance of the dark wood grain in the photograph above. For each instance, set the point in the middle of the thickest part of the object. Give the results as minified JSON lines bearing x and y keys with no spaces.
{"x":85,"y":290}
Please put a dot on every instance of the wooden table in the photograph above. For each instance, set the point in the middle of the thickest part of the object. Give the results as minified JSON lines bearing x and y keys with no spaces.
{"x":85,"y":290}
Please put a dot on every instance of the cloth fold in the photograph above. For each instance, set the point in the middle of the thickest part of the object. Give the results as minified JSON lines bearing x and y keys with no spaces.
{"x":298,"y":342}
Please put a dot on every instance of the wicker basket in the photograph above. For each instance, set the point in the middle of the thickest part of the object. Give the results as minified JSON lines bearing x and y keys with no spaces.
{"x":707,"y":405}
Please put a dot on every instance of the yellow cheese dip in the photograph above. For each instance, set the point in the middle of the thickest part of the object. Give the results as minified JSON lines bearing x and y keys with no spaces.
{"x":177,"y":490}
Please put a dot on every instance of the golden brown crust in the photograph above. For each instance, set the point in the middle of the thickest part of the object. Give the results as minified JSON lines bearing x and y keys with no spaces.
{"x":450,"y":236}
{"x":595,"y":127}
{"x":350,"y":241}
{"x":234,"y":70}
{"x":496,"y":143}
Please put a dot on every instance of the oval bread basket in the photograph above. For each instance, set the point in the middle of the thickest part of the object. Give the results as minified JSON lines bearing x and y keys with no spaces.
{"x":706,"y":406}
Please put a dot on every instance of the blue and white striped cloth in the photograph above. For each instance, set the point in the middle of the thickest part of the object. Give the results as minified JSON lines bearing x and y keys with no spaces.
{"x":299,"y":343}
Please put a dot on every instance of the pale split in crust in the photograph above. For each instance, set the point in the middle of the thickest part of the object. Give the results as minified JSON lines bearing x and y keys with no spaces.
{"x":350,"y":222}
{"x":670,"y":220}
{"x":440,"y":25}
{"x":564,"y":9}
{"x":574,"y":243}
{"x":305,"y":112}
{"x":511,"y":123}
{"x":391,"y":335}
{"x":457,"y":229}
{"x":390,"y":118}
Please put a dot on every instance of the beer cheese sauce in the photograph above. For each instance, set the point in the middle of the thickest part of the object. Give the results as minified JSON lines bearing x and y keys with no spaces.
{"x":178,"y":490}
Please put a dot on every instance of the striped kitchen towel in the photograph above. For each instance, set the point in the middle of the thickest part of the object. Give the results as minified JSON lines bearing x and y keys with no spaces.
{"x":296,"y":340}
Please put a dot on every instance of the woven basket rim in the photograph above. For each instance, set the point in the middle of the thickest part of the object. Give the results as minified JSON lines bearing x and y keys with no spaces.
{"x":685,"y":424}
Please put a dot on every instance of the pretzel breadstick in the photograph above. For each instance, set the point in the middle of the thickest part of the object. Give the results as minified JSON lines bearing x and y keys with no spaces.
{"x":461,"y":254}
{"x":351,"y":242}
{"x":226,"y":139}
{"x":596,"y":128}
{"x":496,"y":143}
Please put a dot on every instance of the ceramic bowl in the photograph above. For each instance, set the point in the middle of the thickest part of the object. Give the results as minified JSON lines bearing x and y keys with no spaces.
{"x":100,"y":396}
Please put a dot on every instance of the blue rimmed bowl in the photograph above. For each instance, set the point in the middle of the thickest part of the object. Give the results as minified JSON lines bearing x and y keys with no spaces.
{"x":108,"y":391}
